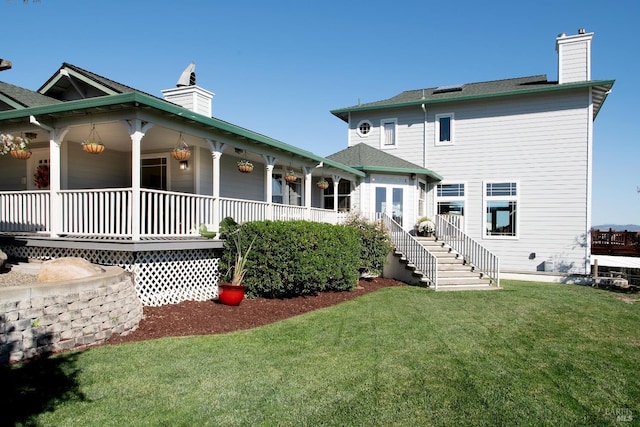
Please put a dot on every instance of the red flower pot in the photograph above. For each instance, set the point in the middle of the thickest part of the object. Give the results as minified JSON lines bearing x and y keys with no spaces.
{"x":229,"y":294}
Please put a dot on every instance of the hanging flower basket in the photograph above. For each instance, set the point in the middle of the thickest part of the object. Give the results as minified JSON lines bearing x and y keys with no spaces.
{"x":322,"y":184}
{"x":181,"y":154}
{"x":290,"y":177}
{"x":20,"y":154}
{"x":93,"y":147}
{"x":93,"y":143}
{"x":245,"y":166}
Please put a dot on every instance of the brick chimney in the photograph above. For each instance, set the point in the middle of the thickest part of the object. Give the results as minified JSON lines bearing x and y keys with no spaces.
{"x":186,"y":94}
{"x":574,"y":57}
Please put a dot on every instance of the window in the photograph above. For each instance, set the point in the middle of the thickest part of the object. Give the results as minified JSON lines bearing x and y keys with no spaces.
{"x":444,"y":129}
{"x":501,"y":208}
{"x":364,"y":127}
{"x":283,"y":192}
{"x":344,"y":195}
{"x":153,"y":173}
{"x":422,"y":198}
{"x":388,"y":133}
{"x":450,"y":200}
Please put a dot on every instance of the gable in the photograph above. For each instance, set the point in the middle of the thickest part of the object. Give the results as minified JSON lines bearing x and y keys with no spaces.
{"x":71,"y":83}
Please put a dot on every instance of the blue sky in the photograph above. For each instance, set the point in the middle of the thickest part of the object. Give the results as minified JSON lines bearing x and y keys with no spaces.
{"x":279,"y":67}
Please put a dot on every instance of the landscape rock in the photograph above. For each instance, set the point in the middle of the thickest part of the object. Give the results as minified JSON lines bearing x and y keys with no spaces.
{"x":67,"y":268}
{"x":3,"y":260}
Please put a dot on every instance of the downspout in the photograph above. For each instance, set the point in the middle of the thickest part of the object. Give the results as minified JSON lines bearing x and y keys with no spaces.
{"x":589,"y":200}
{"x":424,"y":134}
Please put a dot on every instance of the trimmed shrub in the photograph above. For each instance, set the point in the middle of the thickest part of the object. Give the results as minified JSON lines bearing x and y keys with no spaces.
{"x":375,"y":243}
{"x":292,"y":258}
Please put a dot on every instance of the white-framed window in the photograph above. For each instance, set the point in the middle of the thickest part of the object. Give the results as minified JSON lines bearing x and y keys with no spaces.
{"x":344,"y":195}
{"x":450,"y":200}
{"x":286,"y":193}
{"x":364,"y":128}
{"x":444,"y":129}
{"x":422,"y":198}
{"x":501,"y":209}
{"x":388,"y":133}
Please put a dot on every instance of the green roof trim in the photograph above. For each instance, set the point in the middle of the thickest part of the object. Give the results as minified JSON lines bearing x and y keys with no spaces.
{"x":136,"y":99}
{"x":483,"y":90}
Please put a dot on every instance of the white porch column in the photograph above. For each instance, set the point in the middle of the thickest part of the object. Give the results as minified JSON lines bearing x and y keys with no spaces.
{"x":55,"y":141}
{"x":336,"y":180}
{"x":216,"y":148}
{"x":137,"y":128}
{"x":270,"y":162}
{"x":307,"y":189}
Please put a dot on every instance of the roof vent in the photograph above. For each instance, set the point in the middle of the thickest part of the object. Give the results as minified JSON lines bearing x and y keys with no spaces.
{"x":449,"y":88}
{"x":188,"y":76}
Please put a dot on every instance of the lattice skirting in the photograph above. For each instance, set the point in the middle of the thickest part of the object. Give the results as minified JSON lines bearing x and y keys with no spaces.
{"x":161,"y":277}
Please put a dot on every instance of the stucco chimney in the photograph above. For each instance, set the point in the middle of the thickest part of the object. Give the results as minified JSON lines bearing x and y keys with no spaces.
{"x":574,"y":57}
{"x":186,"y":94}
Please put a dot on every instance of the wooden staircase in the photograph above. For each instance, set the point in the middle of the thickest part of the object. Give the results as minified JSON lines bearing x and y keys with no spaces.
{"x":454,"y":274}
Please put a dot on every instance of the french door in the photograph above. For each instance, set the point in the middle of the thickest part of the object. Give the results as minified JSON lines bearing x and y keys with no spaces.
{"x":390,"y":200}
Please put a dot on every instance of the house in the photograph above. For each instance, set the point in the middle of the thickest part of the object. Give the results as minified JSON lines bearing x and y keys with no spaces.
{"x":133,"y":204}
{"x":502,"y":167}
{"x":511,"y":160}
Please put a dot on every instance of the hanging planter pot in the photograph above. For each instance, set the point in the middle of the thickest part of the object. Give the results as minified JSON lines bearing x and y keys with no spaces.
{"x":322,"y":184}
{"x":20,"y":154}
{"x":93,"y":144}
{"x":181,"y":152}
{"x":290,"y":176}
{"x":93,"y":147}
{"x":245,"y":166}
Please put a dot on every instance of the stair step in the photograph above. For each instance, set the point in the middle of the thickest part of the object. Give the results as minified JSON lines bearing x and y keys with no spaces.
{"x":444,"y":288}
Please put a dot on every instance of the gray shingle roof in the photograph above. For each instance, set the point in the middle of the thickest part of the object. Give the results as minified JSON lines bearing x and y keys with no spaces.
{"x":470,"y":91}
{"x":23,"y":97}
{"x":365,"y":158}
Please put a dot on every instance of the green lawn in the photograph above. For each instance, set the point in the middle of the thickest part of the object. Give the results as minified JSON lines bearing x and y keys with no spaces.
{"x":530,"y":354}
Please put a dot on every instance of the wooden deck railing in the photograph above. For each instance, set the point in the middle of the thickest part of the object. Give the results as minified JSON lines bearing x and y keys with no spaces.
{"x":24,"y":211}
{"x":621,"y":243}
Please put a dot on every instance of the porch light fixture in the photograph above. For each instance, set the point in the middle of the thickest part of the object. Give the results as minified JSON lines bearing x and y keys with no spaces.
{"x":184,"y":165}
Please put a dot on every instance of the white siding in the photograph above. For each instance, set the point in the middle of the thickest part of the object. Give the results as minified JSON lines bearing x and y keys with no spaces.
{"x":13,"y":170}
{"x":539,"y":141}
{"x":542,"y":144}
{"x":575,"y":63}
{"x":240,"y":185}
{"x":409,"y":132}
{"x":110,"y":169}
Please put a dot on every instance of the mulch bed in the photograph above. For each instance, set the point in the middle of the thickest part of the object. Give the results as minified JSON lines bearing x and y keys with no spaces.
{"x":209,"y":317}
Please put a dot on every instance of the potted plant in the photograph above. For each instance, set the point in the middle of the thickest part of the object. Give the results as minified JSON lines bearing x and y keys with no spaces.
{"x":15,"y":145}
{"x":290,"y":176}
{"x":322,"y":184}
{"x":181,"y":153}
{"x":233,"y":293}
{"x":245,"y":166}
{"x":425,"y":226}
{"x":93,"y":143}
{"x":92,"y":146}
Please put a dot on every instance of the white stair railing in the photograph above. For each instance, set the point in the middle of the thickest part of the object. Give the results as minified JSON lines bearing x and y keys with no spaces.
{"x":417,"y":254}
{"x":473,"y":253}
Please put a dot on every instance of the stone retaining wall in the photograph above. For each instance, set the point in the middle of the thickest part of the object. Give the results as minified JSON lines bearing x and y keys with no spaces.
{"x":46,"y":318}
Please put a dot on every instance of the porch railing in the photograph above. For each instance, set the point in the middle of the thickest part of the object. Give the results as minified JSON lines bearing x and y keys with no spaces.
{"x":166,"y":213}
{"x":424,"y":260}
{"x":105,"y":212}
{"x":25,"y":211}
{"x":472,"y":252}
